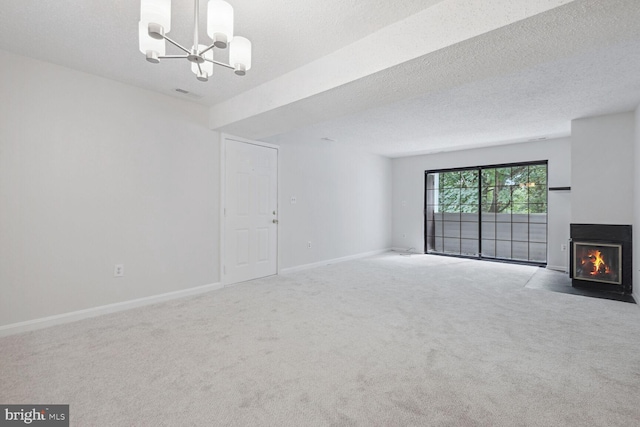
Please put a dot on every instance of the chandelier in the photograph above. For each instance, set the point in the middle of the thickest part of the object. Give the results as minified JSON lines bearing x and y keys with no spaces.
{"x":155,"y":23}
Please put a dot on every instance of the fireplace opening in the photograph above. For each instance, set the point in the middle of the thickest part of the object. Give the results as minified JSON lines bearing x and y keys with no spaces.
{"x":598,"y":262}
{"x":601,"y":257}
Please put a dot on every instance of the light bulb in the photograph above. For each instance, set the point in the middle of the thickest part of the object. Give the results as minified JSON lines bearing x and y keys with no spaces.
{"x":220,"y":22}
{"x":148,"y":43}
{"x":240,"y":55}
{"x":156,"y":11}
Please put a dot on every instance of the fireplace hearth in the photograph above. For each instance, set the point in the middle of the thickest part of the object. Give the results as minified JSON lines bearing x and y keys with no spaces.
{"x":601,"y":257}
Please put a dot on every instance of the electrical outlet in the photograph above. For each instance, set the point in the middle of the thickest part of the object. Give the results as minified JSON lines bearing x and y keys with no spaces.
{"x":118,"y":271}
{"x":309,"y":245}
{"x":563,"y":248}
{"x":404,"y":203}
{"x":294,"y":200}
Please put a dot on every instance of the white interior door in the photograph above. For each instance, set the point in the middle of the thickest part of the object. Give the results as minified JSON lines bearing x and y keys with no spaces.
{"x":250,"y":211}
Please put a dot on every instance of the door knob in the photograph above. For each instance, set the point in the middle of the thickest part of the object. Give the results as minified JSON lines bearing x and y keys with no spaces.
{"x":275,"y":221}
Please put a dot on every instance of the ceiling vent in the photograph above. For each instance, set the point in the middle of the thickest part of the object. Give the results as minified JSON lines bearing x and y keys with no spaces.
{"x":189,"y":94}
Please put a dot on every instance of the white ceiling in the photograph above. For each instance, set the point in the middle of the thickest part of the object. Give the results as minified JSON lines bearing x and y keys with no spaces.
{"x":101,"y":37}
{"x":394,"y":78}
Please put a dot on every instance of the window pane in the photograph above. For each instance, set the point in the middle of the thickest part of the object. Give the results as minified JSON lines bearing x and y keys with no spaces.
{"x":469,"y":230}
{"x":538,"y":252}
{"x":489,"y":248}
{"x":520,"y":213}
{"x":520,"y":175}
{"x":503,"y":176}
{"x":520,"y":232}
{"x":504,"y":195}
{"x":538,"y":208}
{"x":488,"y":216}
{"x":452,"y":229}
{"x":503,"y":249}
{"x":488,"y":230}
{"x":469,"y":246}
{"x":538,"y":232}
{"x":439,"y":244}
{"x":451,"y":216}
{"x":520,"y":195}
{"x":520,"y":251}
{"x":503,"y":217}
{"x":449,"y":197}
{"x":538,"y":218}
{"x":450,"y":180}
{"x":488,"y":177}
{"x":469,"y":196}
{"x":470,"y":179}
{"x":433,"y":180}
{"x":503,"y":231}
{"x":438,"y":229}
{"x":538,"y":194}
{"x":538,"y":174}
{"x":468,"y":217}
{"x":452,"y":246}
{"x":489,"y":199}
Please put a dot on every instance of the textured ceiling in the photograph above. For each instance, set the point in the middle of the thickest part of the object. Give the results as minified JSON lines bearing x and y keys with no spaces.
{"x":394,"y":78}
{"x":101,"y":37}
{"x":538,"y":102}
{"x":522,"y":82}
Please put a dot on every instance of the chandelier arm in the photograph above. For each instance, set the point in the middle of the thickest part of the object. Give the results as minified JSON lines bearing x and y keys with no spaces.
{"x":176,"y":44}
{"x":220,"y":63}
{"x":173,"y":57}
{"x":207,"y":49}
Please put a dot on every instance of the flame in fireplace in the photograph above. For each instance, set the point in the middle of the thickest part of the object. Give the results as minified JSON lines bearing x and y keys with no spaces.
{"x":599,"y":264}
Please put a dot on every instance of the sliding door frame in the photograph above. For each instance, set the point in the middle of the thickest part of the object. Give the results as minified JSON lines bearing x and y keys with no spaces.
{"x":480,"y":169}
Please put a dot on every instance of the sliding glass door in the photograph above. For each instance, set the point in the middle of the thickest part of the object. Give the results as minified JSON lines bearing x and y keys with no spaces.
{"x":453,"y":206}
{"x":495,"y":212}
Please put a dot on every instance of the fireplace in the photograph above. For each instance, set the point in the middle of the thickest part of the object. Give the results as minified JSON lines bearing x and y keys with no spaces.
{"x":598,"y":262}
{"x":601,"y":257}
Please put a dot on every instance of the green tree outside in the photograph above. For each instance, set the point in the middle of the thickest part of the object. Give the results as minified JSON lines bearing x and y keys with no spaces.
{"x":518,"y":190}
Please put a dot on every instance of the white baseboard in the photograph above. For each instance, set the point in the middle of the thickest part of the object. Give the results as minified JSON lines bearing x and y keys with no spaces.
{"x":560,"y":268}
{"x":332,"y":261}
{"x":58,"y":319}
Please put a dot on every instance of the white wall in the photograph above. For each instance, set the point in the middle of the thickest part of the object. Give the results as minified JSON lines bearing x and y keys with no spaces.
{"x":408,"y":189}
{"x":95,"y":173}
{"x":603,"y":169}
{"x":342,"y":202}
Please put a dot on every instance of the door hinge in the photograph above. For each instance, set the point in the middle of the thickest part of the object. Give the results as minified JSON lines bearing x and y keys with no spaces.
{"x":224,"y":269}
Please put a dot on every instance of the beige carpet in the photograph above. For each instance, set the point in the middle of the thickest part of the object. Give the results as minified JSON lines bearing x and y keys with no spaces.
{"x":383,"y":341}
